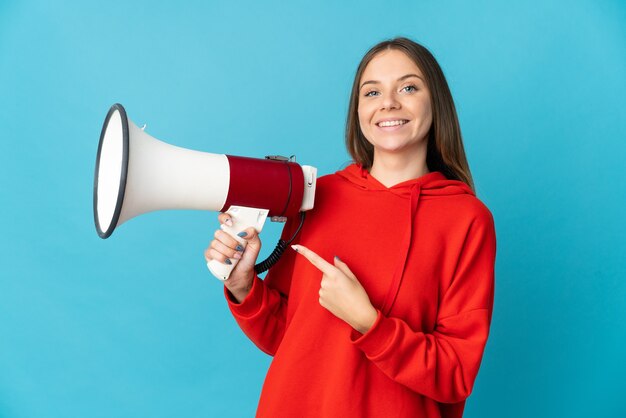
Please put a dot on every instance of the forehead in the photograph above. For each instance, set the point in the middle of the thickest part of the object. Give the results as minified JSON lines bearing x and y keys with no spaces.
{"x":390,"y":64}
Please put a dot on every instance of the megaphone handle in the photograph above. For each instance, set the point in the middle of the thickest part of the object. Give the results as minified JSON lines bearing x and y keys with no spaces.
{"x":242,"y":218}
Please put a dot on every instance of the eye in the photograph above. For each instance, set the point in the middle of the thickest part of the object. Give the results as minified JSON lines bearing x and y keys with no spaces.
{"x":409,"y":89}
{"x":371,"y":93}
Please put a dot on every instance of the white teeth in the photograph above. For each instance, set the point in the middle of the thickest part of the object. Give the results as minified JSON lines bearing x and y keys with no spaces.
{"x":392,"y":123}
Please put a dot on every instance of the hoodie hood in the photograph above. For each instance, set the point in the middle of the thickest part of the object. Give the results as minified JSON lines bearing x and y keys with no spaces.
{"x":431,"y":184}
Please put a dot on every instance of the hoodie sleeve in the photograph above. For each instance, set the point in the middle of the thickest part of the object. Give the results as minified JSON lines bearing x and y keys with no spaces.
{"x":262,"y":314}
{"x":443,"y":365}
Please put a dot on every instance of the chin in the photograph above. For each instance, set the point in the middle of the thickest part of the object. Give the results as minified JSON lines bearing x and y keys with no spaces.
{"x":396,"y":143}
{"x":399,"y":146}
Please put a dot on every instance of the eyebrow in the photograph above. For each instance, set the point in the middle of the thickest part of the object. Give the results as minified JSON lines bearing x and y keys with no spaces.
{"x":404,"y":77}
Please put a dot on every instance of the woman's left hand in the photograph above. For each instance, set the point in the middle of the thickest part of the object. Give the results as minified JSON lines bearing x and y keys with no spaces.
{"x":341,"y":293}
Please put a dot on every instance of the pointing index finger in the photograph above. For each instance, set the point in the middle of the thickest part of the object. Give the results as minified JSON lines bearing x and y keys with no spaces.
{"x":323,"y":265}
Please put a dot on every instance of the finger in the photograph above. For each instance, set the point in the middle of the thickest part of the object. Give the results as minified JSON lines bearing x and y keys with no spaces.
{"x":216,"y":255}
{"x":227,"y":251}
{"x":325,"y":283}
{"x":224,"y":218}
{"x":344,"y":268}
{"x":251,"y":236}
{"x":226,"y":239}
{"x":323,"y":265}
{"x":248,"y":233}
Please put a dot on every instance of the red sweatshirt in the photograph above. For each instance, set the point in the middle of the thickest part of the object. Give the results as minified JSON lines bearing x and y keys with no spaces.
{"x":424,"y":250}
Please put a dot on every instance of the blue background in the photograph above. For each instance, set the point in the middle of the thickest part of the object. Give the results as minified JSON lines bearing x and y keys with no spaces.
{"x":135,"y":326}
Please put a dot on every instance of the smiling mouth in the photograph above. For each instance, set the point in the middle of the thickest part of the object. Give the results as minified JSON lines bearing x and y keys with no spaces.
{"x":389,"y":123}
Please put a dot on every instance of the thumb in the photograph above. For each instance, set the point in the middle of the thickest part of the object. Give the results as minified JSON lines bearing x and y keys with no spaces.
{"x":252,"y":247}
{"x":343,"y":267}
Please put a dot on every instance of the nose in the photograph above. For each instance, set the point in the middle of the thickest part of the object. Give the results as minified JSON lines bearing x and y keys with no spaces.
{"x":390,"y":101}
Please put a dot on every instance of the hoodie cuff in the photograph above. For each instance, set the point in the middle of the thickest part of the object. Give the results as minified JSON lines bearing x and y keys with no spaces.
{"x":375,"y":341}
{"x":251,"y":303}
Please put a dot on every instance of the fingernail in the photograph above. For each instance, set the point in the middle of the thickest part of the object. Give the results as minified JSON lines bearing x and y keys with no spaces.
{"x":242,"y":234}
{"x":239,"y":248}
{"x":237,"y":256}
{"x":337,"y":257}
{"x":295,"y":248}
{"x":228,"y":222}
{"x":227,"y":261}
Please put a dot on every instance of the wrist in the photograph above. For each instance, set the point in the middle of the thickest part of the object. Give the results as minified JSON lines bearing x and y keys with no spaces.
{"x":240,"y":291}
{"x":367,"y":321}
{"x":239,"y":295}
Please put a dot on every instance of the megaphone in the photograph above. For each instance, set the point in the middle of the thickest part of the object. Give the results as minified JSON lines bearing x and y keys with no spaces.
{"x":136,"y":173}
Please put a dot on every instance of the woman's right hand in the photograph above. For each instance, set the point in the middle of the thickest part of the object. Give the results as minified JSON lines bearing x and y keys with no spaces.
{"x":225,"y":247}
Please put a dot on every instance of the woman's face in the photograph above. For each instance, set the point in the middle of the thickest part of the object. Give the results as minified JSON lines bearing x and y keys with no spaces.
{"x":394,"y":104}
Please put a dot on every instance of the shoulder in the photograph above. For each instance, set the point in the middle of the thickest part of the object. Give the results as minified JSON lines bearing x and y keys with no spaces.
{"x":329,"y":183}
{"x":478,"y":217}
{"x":475,"y":209}
{"x":331,"y":193}
{"x":329,"y":178}
{"x":461,"y":212}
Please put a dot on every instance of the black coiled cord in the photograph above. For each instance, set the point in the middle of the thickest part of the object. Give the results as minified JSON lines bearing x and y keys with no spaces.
{"x":278,"y":251}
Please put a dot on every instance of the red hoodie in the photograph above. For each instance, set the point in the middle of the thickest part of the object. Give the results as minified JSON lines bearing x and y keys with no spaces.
{"x":424,"y":250}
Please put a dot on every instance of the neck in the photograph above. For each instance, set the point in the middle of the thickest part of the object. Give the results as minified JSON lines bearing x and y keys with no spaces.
{"x":391,"y":169}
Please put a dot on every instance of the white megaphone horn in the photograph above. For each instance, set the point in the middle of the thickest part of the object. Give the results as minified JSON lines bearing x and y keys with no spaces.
{"x":136,"y":173}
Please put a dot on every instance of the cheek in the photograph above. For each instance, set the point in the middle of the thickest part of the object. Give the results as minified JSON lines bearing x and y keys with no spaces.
{"x":363,"y":119}
{"x":425,"y":114}
{"x":428,"y":121}
{"x":428,"y":110}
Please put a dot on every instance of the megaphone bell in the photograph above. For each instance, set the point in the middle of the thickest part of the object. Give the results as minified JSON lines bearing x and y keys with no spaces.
{"x":136,"y":173}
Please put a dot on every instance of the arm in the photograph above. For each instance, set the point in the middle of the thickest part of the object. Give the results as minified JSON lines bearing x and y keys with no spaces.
{"x":443,"y":364}
{"x":262,"y":312}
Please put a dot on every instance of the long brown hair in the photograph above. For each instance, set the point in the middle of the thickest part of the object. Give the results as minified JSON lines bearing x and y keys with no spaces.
{"x":445,"y":152}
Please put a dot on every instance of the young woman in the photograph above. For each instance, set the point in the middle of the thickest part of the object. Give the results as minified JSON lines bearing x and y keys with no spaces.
{"x":383,"y":309}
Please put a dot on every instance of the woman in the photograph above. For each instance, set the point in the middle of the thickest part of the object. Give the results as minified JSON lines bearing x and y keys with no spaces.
{"x":384,"y":308}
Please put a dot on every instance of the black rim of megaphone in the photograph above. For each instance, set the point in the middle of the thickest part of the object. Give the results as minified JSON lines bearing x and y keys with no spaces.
{"x":122,"y":186}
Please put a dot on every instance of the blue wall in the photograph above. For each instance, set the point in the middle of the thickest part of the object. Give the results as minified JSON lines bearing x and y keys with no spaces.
{"x":135,"y":326}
